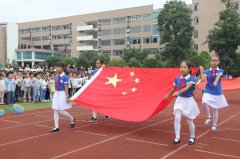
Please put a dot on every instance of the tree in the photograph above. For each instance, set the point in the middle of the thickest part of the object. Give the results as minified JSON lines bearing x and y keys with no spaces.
{"x":117,"y":63}
{"x":151,"y":63}
{"x":52,"y":60}
{"x":133,"y":62}
{"x":176,"y":30}
{"x":137,"y":54}
{"x":69,"y":60}
{"x":225,"y":37}
{"x":104,"y":57}
{"x":14,"y":65}
{"x":82,"y":61}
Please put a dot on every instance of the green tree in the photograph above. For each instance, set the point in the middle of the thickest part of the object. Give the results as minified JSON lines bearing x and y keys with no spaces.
{"x":135,"y":53}
{"x":133,"y":62}
{"x":117,"y":63}
{"x":151,"y":63}
{"x":69,"y":60}
{"x":82,"y":61}
{"x":225,"y":37}
{"x":51,"y":61}
{"x":176,"y":30}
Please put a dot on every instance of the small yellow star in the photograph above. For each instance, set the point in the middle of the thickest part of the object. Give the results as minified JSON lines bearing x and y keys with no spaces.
{"x":113,"y":80}
{"x":124,"y":93}
{"x":134,"y":89}
{"x":132,"y":74}
{"x":137,"y":80}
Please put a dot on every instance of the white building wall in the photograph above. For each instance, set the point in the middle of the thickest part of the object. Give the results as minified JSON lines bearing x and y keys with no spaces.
{"x":12,"y":41}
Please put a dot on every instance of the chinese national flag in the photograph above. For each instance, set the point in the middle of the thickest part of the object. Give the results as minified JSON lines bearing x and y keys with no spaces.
{"x":130,"y":94}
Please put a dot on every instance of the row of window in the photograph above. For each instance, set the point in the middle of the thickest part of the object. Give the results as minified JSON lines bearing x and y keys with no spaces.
{"x":137,"y":29}
{"x":44,"y":38}
{"x":119,"y":20}
{"x":146,"y":40}
{"x":235,"y":5}
{"x":38,"y":55}
{"x":45,"y":28}
{"x":120,"y":52}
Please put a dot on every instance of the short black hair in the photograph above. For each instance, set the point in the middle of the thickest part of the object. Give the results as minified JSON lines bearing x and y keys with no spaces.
{"x":60,"y":64}
{"x":35,"y":74}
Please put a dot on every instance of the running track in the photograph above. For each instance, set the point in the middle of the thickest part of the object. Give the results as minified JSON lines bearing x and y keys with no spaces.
{"x":26,"y":136}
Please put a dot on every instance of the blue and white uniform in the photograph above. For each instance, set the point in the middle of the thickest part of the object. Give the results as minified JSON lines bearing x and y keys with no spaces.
{"x":213,"y":96}
{"x":59,"y":98}
{"x":185,"y":101}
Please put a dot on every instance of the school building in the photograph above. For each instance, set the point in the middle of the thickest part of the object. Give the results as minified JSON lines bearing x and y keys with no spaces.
{"x":106,"y":32}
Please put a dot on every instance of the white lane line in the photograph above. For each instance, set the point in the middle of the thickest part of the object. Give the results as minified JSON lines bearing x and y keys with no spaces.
{"x":220,"y":138}
{"x":147,"y":142}
{"x":85,"y":132}
{"x":110,"y":139}
{"x":219,"y":154}
{"x":119,"y":125}
{"x":16,"y":122}
{"x":168,"y":131}
{"x":41,"y":125}
{"x":204,"y":133}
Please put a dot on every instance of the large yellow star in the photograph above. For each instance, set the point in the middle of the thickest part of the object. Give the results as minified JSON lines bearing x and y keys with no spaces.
{"x":114,"y":80}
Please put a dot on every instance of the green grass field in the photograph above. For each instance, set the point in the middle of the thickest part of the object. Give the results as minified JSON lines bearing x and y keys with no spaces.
{"x":27,"y":106}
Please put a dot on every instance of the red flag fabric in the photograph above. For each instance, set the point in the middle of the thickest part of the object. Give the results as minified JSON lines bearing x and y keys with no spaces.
{"x":227,"y":84}
{"x":130,"y":94}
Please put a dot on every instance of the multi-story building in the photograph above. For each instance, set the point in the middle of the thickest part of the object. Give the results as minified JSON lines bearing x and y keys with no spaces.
{"x":205,"y":15}
{"x":107,"y":32}
{"x":8,"y":42}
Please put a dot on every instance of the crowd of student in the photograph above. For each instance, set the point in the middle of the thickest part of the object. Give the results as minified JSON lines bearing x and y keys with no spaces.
{"x":32,"y":85}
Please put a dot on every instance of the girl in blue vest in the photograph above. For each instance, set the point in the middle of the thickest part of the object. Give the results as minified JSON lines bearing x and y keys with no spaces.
{"x":185,"y":104}
{"x":213,"y":95}
{"x":61,"y":100}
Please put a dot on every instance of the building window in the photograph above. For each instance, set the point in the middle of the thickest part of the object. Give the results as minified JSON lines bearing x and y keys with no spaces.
{"x":196,"y":20}
{"x":37,"y":38}
{"x":147,"y":28}
{"x":136,"y":29}
{"x":119,"y":41}
{"x":26,"y":38}
{"x":23,"y":31}
{"x":135,"y":18}
{"x":196,"y":7}
{"x":42,"y":55}
{"x":147,"y":17}
{"x":61,"y":36}
{"x":117,"y":52}
{"x":149,"y":40}
{"x":195,"y":33}
{"x":155,"y":17}
{"x":107,"y":52}
{"x":46,"y":28}
{"x":152,"y":51}
{"x":135,"y":40}
{"x":19,"y":55}
{"x":27,"y":55}
{"x":236,"y":5}
{"x":45,"y":38}
{"x":119,"y":31}
{"x":155,"y":29}
{"x":61,"y":27}
{"x":37,"y":29}
{"x":106,"y":21}
{"x":106,"y":32}
{"x":196,"y":47}
{"x":119,"y":20}
{"x":106,"y":42}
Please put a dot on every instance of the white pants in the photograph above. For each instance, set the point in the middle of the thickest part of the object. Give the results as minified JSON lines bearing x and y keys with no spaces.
{"x":215,"y":114}
{"x":56,"y":116}
{"x":177,"y":125}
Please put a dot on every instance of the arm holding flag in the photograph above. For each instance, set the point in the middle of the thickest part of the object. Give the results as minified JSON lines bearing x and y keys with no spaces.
{"x":184,"y":90}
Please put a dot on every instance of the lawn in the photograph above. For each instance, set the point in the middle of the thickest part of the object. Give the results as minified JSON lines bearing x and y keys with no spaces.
{"x":27,"y":106}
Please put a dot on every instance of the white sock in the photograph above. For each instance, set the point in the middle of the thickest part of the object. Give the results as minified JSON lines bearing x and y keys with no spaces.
{"x":207,"y":111}
{"x":56,"y":119}
{"x":66,"y":114}
{"x":215,"y":117}
{"x":191,"y":128}
{"x":177,"y":123}
{"x":94,"y":114}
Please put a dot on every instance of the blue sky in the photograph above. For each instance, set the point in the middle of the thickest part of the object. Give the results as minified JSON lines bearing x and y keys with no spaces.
{"x":32,"y":10}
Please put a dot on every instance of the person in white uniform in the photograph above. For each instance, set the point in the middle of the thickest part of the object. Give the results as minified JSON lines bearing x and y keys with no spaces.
{"x":61,"y":100}
{"x":213,"y":95}
{"x":185,"y":104}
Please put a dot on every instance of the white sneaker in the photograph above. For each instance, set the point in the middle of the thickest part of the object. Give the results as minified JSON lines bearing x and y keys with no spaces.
{"x":208,"y":121}
{"x":214,"y":128}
